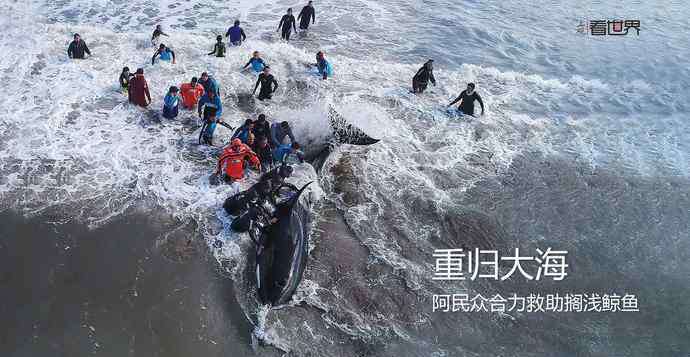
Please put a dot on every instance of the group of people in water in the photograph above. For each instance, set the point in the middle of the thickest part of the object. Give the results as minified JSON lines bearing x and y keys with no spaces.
{"x":256,"y":143}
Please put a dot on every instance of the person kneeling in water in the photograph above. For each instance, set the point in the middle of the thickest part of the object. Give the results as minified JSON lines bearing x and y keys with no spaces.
{"x":421,"y":79}
{"x":257,"y":62}
{"x":165,"y":54}
{"x":219,"y":47}
{"x":233,"y":160}
{"x":324,"y":67}
{"x":171,"y":103}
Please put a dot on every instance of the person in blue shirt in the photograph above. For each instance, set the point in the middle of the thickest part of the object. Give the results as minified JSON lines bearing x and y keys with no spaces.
{"x":278,"y":133}
{"x":288,"y":153}
{"x":324,"y":67}
{"x":208,"y":101}
{"x":171,"y":103}
{"x":165,"y":54}
{"x":236,"y":34}
{"x":243,"y":131}
{"x":209,"y":84}
{"x":257,"y":62}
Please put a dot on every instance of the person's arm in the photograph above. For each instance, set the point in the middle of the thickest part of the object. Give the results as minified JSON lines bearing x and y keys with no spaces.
{"x":200,"y":107}
{"x":275,"y":83}
{"x":173,"y":54}
{"x":164,"y":34}
{"x":215,"y":48}
{"x":153,"y":59}
{"x":459,"y":98}
{"x":236,"y":133}
{"x":325,"y":72}
{"x":146,"y":91}
{"x":300,"y":155}
{"x":292,"y":137}
{"x":220,"y":164}
{"x":481,"y":103}
{"x":122,"y":82}
{"x":280,"y":24}
{"x":248,"y":63}
{"x":294,"y":27}
{"x":431,"y":77}
{"x":86,"y":48}
{"x":274,"y":138}
{"x":70,"y":50}
{"x":227,"y":33}
{"x":313,"y":15}
{"x":244,"y":37}
{"x":419,"y":73}
{"x":219,"y":106}
{"x":257,"y":84}
{"x":301,"y":13}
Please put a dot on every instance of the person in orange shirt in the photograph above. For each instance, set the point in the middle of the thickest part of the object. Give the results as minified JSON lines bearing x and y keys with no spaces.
{"x":232,"y":162}
{"x":191,"y":92}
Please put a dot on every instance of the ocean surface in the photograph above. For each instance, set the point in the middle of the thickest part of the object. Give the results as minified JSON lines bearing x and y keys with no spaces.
{"x":113,"y":243}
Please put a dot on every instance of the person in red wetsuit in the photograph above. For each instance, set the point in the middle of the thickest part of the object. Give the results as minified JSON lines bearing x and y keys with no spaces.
{"x":232,"y":162}
{"x":139,"y":89}
{"x":191,"y":92}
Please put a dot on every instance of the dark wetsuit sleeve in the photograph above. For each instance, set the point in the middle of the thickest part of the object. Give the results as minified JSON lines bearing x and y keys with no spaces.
{"x":215,"y":48}
{"x":292,"y":137}
{"x":248,"y":63}
{"x":244,"y":37}
{"x":70,"y":50}
{"x":431,"y":77}
{"x":173,"y":54}
{"x":458,"y":98}
{"x":86,"y":48}
{"x":418,"y":74}
{"x":258,"y":81}
{"x":294,"y":26}
{"x":313,"y":15}
{"x":153,"y":59}
{"x":280,"y":24}
{"x":273,"y":79}
{"x":481,"y":103}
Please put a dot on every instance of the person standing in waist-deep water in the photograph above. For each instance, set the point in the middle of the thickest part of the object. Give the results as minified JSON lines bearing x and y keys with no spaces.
{"x":165,"y":54}
{"x":139,"y":89}
{"x":466,"y":99}
{"x":219,"y":47}
{"x":77,"y":48}
{"x":125,"y":76}
{"x":324,"y":67}
{"x":256,"y":61}
{"x":305,"y":15}
{"x":423,"y":76}
{"x":157,"y":34}
{"x":209,"y":84}
{"x":268,"y":84}
{"x":287,"y":23}
{"x":262,"y":128}
{"x":236,"y":34}
{"x":243,"y":131}
{"x":278,"y":133}
{"x":171,"y":103}
{"x":191,"y":92}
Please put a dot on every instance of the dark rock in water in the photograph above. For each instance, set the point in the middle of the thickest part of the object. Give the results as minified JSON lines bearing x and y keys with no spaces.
{"x":245,"y":102}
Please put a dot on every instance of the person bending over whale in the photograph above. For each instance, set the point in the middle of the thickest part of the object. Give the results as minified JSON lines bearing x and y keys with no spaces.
{"x":268,"y":84}
{"x":466,"y":99}
{"x":421,"y":80}
{"x":305,"y":15}
{"x":218,"y":48}
{"x":165,"y":54}
{"x":287,"y":23}
{"x":232,"y":163}
{"x":157,"y":33}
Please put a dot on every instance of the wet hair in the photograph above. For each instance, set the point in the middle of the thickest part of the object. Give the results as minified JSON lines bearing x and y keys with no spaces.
{"x":194,"y":79}
{"x":76,"y":35}
{"x":262,"y":139}
{"x":289,"y":9}
{"x":125,"y":69}
{"x":204,"y":74}
{"x":237,"y":22}
{"x":262,"y":117}
{"x":295,"y":145}
{"x":471,"y":85}
{"x":248,"y":122}
{"x":161,"y":46}
{"x":219,"y":38}
{"x":173,"y":89}
{"x":140,"y":71}
{"x":284,"y":124}
{"x":255,"y":53}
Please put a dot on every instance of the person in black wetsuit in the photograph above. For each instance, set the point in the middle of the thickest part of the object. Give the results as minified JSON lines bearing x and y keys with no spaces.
{"x":268,"y":84}
{"x":125,"y":76}
{"x":219,"y":47}
{"x":77,"y":48}
{"x":287,"y":23}
{"x":305,"y":15}
{"x":157,"y":34}
{"x":423,"y":76}
{"x":262,"y":128}
{"x":466,"y":99}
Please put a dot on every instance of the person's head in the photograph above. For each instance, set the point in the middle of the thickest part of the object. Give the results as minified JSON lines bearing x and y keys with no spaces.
{"x":309,"y":3}
{"x":429,"y":64}
{"x":158,"y":27}
{"x":295,"y":146}
{"x":236,"y":144}
{"x":256,"y":54}
{"x":262,"y":118}
{"x":319,"y":55}
{"x":249,"y":123}
{"x":267,"y":69}
{"x":211,"y":94}
{"x":470,"y":87}
{"x":285,"y":125}
{"x":194,"y":80}
{"x":285,"y":171}
{"x":219,"y":38}
{"x":289,"y":10}
{"x":161,"y":47}
{"x":204,"y":76}
{"x":173,"y":90}
{"x":125,"y":70}
{"x":263,"y":141}
{"x":237,"y":22}
{"x":250,"y":139}
{"x":77,"y":37}
{"x":140,"y":71}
